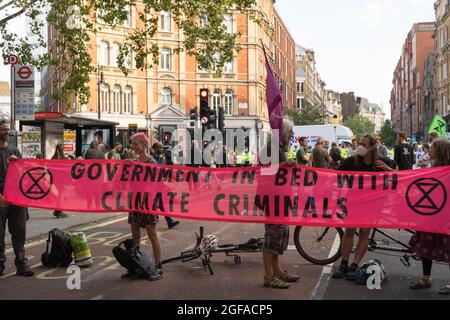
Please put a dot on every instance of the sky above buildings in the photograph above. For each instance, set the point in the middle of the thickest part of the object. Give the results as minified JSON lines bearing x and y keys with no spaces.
{"x":357,"y":42}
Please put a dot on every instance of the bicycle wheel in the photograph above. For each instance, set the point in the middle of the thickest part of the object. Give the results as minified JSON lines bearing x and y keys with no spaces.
{"x":318,"y":244}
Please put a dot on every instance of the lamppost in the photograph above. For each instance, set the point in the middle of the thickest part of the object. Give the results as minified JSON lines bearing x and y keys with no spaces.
{"x":100,"y":81}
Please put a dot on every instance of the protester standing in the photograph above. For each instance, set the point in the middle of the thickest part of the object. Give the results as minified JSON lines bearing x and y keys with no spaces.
{"x":59,"y":155}
{"x":404,"y":153}
{"x":321,"y":158}
{"x":114,"y":154}
{"x":159,"y":157}
{"x":424,"y":159}
{"x":93,"y":153}
{"x":336,"y":156}
{"x":12,"y":215}
{"x":138,"y":220}
{"x":301,"y":157}
{"x":276,"y":237}
{"x":433,"y":247}
{"x":382,"y":149}
{"x":367,"y":159}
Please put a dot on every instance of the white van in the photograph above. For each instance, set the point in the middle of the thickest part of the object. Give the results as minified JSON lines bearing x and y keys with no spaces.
{"x":333,"y":133}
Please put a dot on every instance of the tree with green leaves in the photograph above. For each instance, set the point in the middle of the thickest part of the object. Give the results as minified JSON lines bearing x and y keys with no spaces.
{"x":201,"y":22}
{"x":388,"y":134}
{"x":307,"y":115}
{"x":360,"y":125}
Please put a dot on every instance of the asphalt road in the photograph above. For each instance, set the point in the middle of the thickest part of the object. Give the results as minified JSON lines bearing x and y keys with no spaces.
{"x":190,"y":282}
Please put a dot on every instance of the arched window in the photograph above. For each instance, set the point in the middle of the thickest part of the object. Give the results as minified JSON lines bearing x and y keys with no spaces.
{"x":165,"y":61}
{"x":166,"y":99}
{"x":217,"y":100}
{"x":117,"y":99}
{"x":128,"y":100}
{"x":165,"y":22}
{"x":229,"y":105}
{"x":104,"y":98}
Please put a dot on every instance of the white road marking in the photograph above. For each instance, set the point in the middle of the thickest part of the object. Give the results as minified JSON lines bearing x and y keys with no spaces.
{"x":326,"y":271}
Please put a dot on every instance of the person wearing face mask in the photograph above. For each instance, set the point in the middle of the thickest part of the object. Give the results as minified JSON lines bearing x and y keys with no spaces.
{"x":366,"y":159}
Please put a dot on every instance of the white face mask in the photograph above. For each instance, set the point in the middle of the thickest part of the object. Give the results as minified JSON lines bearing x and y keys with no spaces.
{"x":362,"y":151}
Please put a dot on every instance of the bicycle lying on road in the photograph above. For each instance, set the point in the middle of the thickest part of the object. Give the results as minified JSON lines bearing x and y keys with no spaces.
{"x":206,"y":246}
{"x":322,"y":245}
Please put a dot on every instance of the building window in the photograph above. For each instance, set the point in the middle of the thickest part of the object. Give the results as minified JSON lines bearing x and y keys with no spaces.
{"x":117,"y":99}
{"x":165,"y":60}
{"x":104,"y":98}
{"x":228,"y":67}
{"x":228,"y":20}
{"x":103,"y":54}
{"x":127,"y":22}
{"x":229,"y":103}
{"x":128,"y":61}
{"x":165,"y":21}
{"x":166,"y":97}
{"x":115,"y":54}
{"x":128,"y":100}
{"x":217,"y":100}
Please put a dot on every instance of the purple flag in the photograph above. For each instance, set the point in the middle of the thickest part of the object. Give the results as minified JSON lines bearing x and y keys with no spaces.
{"x":274,"y":98}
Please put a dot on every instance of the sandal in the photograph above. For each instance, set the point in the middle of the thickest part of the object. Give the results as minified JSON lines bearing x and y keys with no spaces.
{"x":422,"y":284}
{"x":289,"y":277}
{"x":275,"y":283}
{"x":445,"y":291}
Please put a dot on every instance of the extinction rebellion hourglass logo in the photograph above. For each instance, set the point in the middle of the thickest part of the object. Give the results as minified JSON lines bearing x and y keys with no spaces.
{"x":426,"y":196}
{"x":35,"y":184}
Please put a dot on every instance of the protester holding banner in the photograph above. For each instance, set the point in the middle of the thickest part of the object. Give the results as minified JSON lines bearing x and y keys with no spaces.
{"x":12,"y":215}
{"x":367,"y":159}
{"x":59,"y":155}
{"x":276,"y":237}
{"x":93,"y":152}
{"x":433,"y":247}
{"x":141,"y":144}
{"x":301,"y":156}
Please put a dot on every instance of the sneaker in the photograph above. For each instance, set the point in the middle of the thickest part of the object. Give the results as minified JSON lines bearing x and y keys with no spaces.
{"x":2,"y":269}
{"x":340,"y":273}
{"x":24,"y":271}
{"x":158,"y":274}
{"x":351,"y":275}
{"x":128,"y":275}
{"x":173,"y":224}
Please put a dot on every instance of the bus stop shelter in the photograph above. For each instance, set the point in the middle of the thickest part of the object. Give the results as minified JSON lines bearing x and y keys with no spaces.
{"x":40,"y":136}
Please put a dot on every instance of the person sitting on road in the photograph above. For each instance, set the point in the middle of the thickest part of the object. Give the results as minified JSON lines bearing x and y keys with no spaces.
{"x":433,"y":247}
{"x":367,"y":159}
{"x":141,"y":144}
{"x":276,"y":237}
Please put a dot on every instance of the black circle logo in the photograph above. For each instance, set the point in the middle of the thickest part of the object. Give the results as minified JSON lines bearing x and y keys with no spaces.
{"x":35,"y":184}
{"x":426,"y":196}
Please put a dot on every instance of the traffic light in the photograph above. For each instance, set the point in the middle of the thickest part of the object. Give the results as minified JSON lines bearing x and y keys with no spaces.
{"x":204,"y":107}
{"x":193,"y":115}
{"x":212,"y":119}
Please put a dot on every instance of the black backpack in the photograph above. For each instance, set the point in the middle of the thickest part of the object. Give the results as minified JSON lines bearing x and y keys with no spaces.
{"x":59,"y":254}
{"x":130,"y":256}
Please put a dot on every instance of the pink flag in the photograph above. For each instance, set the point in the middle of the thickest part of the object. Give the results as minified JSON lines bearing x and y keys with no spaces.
{"x":274,"y":98}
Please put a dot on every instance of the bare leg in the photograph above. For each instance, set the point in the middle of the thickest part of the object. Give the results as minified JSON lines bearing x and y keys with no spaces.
{"x":267,"y":258}
{"x":156,"y":245}
{"x":363,"y":243}
{"x":136,"y":234}
{"x":347,"y":243}
{"x":276,"y":265}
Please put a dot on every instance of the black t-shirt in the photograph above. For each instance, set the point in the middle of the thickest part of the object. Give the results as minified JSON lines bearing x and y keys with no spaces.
{"x":5,"y":153}
{"x":404,"y":156}
{"x":350,"y":164}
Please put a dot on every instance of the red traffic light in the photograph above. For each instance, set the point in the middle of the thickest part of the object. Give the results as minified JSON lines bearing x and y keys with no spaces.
{"x":204,"y":93}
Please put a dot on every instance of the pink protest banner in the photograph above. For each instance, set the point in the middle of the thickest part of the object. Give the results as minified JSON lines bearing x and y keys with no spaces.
{"x":414,"y":200}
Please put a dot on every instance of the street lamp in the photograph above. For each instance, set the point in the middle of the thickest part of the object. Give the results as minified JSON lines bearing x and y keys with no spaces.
{"x":100,"y":81}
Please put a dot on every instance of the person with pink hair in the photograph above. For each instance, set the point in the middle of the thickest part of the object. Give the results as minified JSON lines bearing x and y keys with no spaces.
{"x":140,"y":145}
